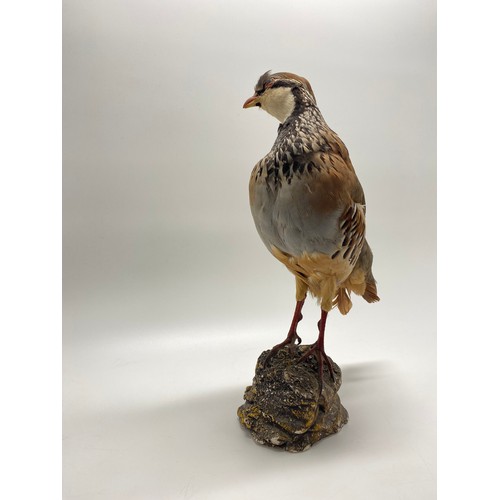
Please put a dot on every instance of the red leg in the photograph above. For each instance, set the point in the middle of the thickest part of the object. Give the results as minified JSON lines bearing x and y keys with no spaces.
{"x":318,"y":350}
{"x":292,"y":333}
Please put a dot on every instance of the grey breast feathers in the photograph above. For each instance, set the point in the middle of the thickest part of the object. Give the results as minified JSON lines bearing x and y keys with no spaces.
{"x":304,"y":212}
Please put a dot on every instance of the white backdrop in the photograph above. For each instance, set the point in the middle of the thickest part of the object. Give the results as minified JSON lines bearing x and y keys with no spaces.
{"x":169,"y":295}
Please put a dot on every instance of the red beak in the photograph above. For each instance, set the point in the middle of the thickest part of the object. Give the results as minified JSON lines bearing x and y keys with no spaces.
{"x":250,"y":102}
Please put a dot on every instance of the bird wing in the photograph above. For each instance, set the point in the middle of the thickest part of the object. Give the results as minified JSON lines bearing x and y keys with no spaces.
{"x":334,"y":194}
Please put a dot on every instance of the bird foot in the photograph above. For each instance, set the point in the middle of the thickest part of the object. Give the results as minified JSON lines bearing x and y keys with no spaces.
{"x":319,"y":353}
{"x":290,"y":340}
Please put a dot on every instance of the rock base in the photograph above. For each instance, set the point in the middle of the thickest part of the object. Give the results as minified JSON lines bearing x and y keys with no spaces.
{"x":283,"y":406}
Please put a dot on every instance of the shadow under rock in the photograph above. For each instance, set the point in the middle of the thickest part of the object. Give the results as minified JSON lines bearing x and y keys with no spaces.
{"x":359,"y":372}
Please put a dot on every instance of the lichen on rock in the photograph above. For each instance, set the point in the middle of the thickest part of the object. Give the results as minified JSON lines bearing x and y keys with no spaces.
{"x":283,"y":406}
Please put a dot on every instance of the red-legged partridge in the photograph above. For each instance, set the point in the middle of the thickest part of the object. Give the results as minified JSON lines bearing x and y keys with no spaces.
{"x":308,"y":205}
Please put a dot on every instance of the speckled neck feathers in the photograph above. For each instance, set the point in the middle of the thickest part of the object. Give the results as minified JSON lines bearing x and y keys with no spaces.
{"x":301,"y":135}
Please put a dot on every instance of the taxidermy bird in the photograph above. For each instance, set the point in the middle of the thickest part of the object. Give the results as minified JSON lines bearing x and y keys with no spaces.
{"x":309,"y":208}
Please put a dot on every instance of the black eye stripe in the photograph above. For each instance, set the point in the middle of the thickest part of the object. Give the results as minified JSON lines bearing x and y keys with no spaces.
{"x":284,"y":84}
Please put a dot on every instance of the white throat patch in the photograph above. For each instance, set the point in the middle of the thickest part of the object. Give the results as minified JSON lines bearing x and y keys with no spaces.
{"x":278,"y":102}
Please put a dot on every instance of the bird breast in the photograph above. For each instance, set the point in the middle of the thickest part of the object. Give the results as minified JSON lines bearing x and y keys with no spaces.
{"x":301,"y":189}
{"x":285,"y":209}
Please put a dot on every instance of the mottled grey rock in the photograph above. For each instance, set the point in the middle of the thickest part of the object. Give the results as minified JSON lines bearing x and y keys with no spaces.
{"x":283,"y":406}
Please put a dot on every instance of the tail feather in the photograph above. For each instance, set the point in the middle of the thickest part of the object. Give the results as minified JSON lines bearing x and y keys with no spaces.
{"x":370,"y":294}
{"x":343,"y":301}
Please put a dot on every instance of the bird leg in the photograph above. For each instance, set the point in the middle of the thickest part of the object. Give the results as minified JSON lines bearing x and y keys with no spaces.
{"x":318,"y":350}
{"x":292,"y":333}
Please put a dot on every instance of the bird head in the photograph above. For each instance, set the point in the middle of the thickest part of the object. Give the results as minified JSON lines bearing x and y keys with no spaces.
{"x":280,"y":94}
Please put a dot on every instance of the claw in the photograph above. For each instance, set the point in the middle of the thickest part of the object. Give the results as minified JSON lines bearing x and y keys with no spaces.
{"x":292,"y":333}
{"x":290,"y":340}
{"x":318,"y":351}
{"x":320,"y":355}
